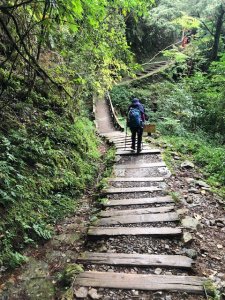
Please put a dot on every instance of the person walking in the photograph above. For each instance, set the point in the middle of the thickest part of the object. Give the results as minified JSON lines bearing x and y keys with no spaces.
{"x":135,"y":121}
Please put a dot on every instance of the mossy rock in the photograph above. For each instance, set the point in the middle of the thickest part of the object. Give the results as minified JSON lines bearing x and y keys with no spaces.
{"x":40,"y":288}
{"x":35,"y":269}
{"x":65,"y":239}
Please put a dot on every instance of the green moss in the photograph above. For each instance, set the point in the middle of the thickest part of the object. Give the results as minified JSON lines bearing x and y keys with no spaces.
{"x":69,"y":273}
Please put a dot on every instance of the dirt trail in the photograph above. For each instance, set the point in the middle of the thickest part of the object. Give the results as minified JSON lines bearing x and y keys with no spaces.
{"x":152,"y":256}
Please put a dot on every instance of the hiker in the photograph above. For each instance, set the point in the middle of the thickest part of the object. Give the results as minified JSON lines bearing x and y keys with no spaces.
{"x":135,"y":121}
{"x":187,"y":38}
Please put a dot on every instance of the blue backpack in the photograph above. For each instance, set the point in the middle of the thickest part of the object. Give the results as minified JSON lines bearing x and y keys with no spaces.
{"x":134,"y":118}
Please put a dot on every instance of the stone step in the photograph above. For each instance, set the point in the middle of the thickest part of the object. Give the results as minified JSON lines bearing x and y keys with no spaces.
{"x":189,"y":284}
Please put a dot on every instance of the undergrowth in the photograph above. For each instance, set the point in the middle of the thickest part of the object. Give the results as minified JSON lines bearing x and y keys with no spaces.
{"x":192,"y":122}
{"x":208,"y":156}
{"x":48,"y":156}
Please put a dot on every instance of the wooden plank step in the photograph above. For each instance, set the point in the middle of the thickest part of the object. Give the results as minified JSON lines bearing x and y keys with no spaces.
{"x":120,"y":138}
{"x":128,"y":141}
{"x":141,"y":201}
{"x":111,"y":136}
{"x":120,"y":141}
{"x":113,"y":133}
{"x":138,"y":219}
{"x":144,"y":151}
{"x":131,"y":190}
{"x":190,"y":284}
{"x":140,"y":166}
{"x":130,"y":151}
{"x":124,"y":259}
{"x":137,"y":211}
{"x":149,"y":231}
{"x":128,"y":146}
{"x":136,"y":179}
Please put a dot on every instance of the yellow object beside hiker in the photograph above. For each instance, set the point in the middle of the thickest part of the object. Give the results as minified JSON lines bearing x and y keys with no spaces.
{"x":149,"y":128}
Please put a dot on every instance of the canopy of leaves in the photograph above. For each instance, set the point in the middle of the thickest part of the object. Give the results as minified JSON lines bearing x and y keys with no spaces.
{"x":54,"y":55}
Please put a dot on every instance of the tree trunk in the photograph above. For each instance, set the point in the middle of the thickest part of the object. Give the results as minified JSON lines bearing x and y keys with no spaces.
{"x":219,"y":24}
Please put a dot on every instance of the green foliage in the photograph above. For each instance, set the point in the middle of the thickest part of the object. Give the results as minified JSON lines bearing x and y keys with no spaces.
{"x":208,"y":156}
{"x":108,"y":164}
{"x":190,"y":116}
{"x":54,"y":57}
{"x":212,"y":291}
{"x":122,"y":95}
{"x":176,"y":55}
{"x":16,"y":259}
{"x":69,"y":273}
{"x":187,"y":22}
{"x":155,"y":31}
{"x":42,"y":231}
{"x":169,"y":126}
{"x":175,"y":196}
{"x":46,"y":161}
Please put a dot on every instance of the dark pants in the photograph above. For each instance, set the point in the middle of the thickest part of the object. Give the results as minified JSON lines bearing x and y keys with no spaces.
{"x":136,"y":132}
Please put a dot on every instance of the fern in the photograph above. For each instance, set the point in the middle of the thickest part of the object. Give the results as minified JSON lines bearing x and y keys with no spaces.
{"x":42,"y":232}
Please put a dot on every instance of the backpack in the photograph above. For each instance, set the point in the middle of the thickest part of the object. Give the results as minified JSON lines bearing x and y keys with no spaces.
{"x":134,"y":118}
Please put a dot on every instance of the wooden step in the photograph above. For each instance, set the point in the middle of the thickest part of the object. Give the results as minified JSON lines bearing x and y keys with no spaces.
{"x":190,"y":284}
{"x":144,"y":151}
{"x":140,"y":166}
{"x":131,"y":190}
{"x":122,"y":143}
{"x":137,"y":211}
{"x":140,"y":201}
{"x":109,"y":137}
{"x":136,"y":179}
{"x":120,"y":138}
{"x":128,"y":146}
{"x":138,"y":219}
{"x":149,"y":231}
{"x":113,"y":134}
{"x":124,"y":259}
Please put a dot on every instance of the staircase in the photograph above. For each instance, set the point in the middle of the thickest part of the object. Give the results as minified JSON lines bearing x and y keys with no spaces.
{"x":134,"y":245}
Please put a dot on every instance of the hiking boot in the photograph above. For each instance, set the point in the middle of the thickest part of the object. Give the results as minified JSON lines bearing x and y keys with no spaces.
{"x":139,"y":150}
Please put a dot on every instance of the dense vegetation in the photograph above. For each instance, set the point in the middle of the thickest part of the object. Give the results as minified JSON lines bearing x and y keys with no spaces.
{"x":189,"y":95}
{"x":54,"y":56}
